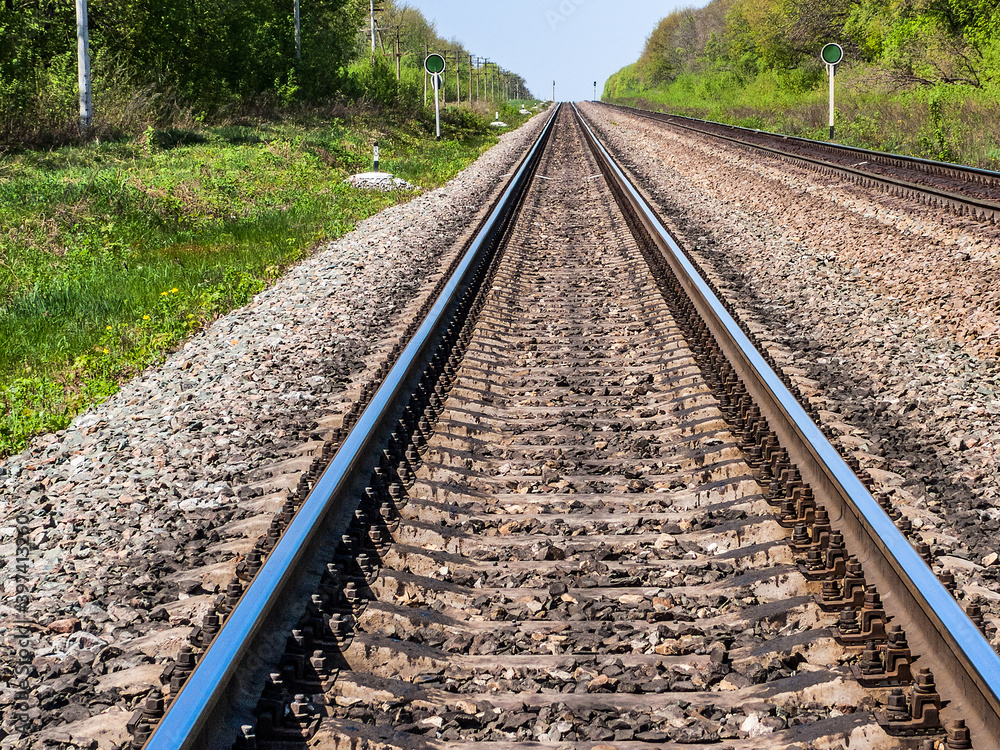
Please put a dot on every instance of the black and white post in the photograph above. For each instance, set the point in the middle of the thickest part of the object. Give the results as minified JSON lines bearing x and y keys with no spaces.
{"x":83,"y":66}
{"x":595,"y":91}
{"x":832,"y":54}
{"x":437,"y":105}
{"x":375,"y":150}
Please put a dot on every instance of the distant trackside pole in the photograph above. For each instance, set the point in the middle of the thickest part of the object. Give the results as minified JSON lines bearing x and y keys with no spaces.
{"x":832,"y":54}
{"x":833,"y":77}
{"x":435,"y":64}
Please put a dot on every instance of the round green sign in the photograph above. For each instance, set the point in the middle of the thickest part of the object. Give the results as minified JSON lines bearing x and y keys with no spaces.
{"x":434,"y":64}
{"x":832,"y":54}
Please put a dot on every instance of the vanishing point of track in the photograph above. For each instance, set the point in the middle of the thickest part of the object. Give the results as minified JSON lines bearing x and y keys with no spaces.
{"x":581,"y":509}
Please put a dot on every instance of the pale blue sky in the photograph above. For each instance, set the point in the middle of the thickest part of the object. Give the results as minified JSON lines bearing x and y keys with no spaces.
{"x":575,"y":42}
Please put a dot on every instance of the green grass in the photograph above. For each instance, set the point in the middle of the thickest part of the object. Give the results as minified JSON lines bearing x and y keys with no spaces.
{"x":111,"y":254}
{"x":949,"y":123}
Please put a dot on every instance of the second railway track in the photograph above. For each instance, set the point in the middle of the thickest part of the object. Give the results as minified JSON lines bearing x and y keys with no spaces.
{"x":584,"y":531}
{"x":965,"y":191}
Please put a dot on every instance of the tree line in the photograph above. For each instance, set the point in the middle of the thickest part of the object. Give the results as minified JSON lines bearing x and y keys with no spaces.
{"x":153,"y":59}
{"x":910,"y":42}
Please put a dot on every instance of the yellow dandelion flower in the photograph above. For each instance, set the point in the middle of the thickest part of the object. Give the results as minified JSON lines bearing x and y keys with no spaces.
{"x":164,"y":294}
{"x":145,"y":317}
{"x":174,"y":290}
{"x":109,"y":328}
{"x":106,"y":351}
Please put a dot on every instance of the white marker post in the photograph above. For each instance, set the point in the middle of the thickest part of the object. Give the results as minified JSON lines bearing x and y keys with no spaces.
{"x":832,"y":54}
{"x":595,"y":91}
{"x":435,"y":65}
{"x":83,"y":66}
{"x":298,"y":31}
{"x":376,"y":156}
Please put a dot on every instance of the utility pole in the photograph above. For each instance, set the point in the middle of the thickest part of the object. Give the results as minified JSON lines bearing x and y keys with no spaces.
{"x":470,"y":80}
{"x":399,"y":55}
{"x":298,"y":31}
{"x":553,"y":92}
{"x":371,"y":16}
{"x":83,"y":66}
{"x":426,"y":52}
{"x":458,"y":77}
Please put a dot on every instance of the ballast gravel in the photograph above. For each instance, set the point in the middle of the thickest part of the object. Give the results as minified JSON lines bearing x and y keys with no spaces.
{"x":886,"y":313}
{"x":119,"y":531}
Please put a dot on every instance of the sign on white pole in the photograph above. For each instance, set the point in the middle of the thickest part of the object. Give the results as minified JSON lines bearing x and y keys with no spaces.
{"x":832,"y":54}
{"x":435,"y":65}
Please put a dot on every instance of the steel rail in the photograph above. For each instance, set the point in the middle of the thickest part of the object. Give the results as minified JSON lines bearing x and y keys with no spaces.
{"x":965,"y":665}
{"x":210,"y":707}
{"x":978,"y":207}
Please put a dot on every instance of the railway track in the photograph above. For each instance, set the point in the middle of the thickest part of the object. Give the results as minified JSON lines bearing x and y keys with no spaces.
{"x":582,"y":509}
{"x":965,"y":191}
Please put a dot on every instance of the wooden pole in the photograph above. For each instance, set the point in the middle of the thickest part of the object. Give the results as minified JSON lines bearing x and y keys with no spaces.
{"x":399,"y":55}
{"x":371,"y":10}
{"x":470,"y":79}
{"x":83,"y":66}
{"x":458,"y":77}
{"x":425,"y":75}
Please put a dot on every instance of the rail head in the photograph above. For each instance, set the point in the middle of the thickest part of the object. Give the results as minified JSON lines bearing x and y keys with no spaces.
{"x":965,"y":657}
{"x":197,"y":717}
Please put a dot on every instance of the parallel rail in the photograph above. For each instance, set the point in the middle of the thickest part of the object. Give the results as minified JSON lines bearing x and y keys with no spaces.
{"x":965,"y":663}
{"x":219,"y":696}
{"x":973,"y":192}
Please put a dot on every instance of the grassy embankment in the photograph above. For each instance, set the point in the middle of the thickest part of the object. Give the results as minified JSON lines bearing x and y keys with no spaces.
{"x":949,"y":123}
{"x":112,"y":253}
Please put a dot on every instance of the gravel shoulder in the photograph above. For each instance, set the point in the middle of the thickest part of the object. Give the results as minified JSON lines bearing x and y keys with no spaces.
{"x":885,"y":313}
{"x":120,"y":531}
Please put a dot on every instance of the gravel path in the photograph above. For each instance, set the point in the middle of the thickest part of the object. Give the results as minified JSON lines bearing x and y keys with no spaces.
{"x":886,"y":314}
{"x":119,"y":531}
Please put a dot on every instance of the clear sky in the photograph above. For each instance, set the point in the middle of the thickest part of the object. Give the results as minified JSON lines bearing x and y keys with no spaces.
{"x":574,"y":42}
